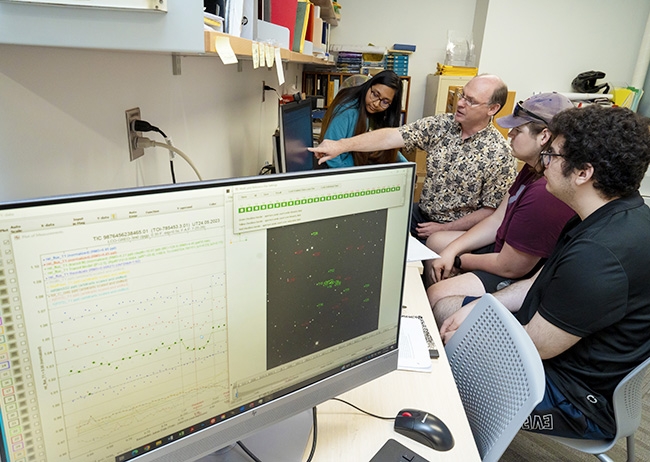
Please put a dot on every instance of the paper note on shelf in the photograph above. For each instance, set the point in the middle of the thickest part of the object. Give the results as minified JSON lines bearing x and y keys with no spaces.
{"x":226,"y":53}
{"x":413,"y":349}
{"x":418,"y":251}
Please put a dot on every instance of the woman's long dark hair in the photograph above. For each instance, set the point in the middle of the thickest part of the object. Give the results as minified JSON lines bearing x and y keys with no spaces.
{"x":388,"y":118}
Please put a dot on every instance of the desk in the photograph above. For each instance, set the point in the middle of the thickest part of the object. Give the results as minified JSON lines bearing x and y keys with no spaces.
{"x":346,"y":434}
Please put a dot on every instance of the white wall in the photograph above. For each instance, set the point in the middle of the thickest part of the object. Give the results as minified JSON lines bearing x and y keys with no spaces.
{"x":423,"y":23}
{"x":533,"y":47}
{"x":538,"y":47}
{"x":63,"y":127}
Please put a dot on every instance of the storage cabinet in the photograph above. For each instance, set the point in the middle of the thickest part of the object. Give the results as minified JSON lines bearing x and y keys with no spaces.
{"x":437,"y":92}
{"x":327,"y":84}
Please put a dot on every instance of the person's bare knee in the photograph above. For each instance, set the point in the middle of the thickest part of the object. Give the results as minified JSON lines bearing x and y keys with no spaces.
{"x":445,"y":307}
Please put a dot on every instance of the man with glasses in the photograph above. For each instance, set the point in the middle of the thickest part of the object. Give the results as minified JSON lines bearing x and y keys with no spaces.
{"x":516,"y":239}
{"x":469,"y":167}
{"x":588,"y":309}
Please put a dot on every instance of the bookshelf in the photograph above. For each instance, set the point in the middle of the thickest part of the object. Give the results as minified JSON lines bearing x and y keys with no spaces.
{"x":243,"y":48}
{"x":326,"y":84}
{"x":327,"y":12}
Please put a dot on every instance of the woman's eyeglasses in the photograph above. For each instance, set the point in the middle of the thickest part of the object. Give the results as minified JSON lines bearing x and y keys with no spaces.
{"x":519,"y":108}
{"x":546,"y":157}
{"x":383,"y":102}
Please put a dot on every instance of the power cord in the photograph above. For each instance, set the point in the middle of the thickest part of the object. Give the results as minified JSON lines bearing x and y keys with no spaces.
{"x":144,"y":126}
{"x":267,"y":88}
{"x":313,"y":440}
{"x":361,"y":410}
{"x":147,"y":143}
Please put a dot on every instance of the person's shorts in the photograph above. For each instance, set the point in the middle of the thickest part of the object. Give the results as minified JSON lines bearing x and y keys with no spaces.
{"x":555,"y":415}
{"x":492,"y":282}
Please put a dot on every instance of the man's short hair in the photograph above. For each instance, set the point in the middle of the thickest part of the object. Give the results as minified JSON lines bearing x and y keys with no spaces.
{"x":500,"y":95}
{"x":615,"y":141}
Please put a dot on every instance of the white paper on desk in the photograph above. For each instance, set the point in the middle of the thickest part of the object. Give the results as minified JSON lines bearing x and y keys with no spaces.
{"x":413,"y":349}
{"x":418,"y":251}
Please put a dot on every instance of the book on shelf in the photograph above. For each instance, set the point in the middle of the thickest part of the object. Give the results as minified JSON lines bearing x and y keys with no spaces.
{"x":405,"y":92}
{"x":300,"y":31}
{"x":283,"y":13}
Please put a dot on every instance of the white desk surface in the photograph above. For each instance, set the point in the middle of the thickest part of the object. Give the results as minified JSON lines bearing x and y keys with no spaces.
{"x":345,"y":434}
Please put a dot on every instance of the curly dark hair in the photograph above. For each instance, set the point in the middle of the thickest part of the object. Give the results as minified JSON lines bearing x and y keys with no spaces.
{"x":615,"y":141}
{"x":389,"y":118}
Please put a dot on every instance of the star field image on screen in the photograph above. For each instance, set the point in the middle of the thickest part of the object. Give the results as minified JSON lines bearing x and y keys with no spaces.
{"x":323,"y":277}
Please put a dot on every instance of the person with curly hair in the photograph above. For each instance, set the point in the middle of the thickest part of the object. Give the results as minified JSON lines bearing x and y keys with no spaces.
{"x":588,"y":309}
{"x":513,"y":242}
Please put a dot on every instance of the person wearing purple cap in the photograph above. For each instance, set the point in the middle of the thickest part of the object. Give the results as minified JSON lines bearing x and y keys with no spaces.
{"x":516,"y":239}
{"x":587,"y":311}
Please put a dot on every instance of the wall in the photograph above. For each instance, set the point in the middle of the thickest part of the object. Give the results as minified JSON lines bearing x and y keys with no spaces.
{"x":537,"y":49}
{"x":62,"y":110}
{"x":63,"y":127}
{"x":531,"y":48}
{"x":178,"y":29}
{"x":423,"y":23}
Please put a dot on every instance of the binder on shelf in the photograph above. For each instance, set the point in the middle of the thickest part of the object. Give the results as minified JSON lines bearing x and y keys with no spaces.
{"x":403,"y":47}
{"x":300,"y":31}
{"x":283,"y":13}
{"x":330,"y":92}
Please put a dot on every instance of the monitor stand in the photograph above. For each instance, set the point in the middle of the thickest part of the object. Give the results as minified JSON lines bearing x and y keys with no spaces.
{"x":280,"y":442}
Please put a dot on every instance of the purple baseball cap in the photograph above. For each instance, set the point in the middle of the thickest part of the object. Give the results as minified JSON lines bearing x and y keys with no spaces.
{"x":538,"y":108}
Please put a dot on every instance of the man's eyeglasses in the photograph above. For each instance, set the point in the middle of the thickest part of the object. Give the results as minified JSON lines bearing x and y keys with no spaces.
{"x":383,"y":102}
{"x":469,"y":100}
{"x":519,"y":108}
{"x":546,"y":157}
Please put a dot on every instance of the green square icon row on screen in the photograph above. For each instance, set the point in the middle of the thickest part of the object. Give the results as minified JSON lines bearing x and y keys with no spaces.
{"x":311,"y":200}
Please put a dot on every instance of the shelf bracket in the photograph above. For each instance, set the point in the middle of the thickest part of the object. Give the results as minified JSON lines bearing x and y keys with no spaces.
{"x":176,"y":64}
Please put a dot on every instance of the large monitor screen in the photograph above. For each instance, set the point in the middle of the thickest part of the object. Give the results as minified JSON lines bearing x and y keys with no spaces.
{"x":296,"y":136}
{"x":163,"y":323}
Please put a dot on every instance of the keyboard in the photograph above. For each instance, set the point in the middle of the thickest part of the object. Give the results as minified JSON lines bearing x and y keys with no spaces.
{"x":393,"y":451}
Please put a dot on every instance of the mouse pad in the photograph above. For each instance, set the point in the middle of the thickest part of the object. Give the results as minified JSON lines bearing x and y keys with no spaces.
{"x":393,"y":451}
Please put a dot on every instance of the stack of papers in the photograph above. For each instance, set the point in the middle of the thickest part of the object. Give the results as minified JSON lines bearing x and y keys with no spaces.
{"x":413,"y":348}
{"x":445,"y":69}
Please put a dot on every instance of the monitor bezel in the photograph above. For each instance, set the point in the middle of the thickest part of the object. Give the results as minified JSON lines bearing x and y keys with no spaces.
{"x":283,"y":111}
{"x":239,"y":426}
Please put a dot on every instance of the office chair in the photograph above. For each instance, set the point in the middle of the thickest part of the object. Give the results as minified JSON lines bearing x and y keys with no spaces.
{"x":498,"y":373}
{"x":627,"y":401}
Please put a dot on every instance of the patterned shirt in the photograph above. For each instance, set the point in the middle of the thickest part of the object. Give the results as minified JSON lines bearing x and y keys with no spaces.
{"x":462,"y":175}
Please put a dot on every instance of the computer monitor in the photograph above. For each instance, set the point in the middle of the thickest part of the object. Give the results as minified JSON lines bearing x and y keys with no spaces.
{"x":296,"y":135}
{"x":163,"y":323}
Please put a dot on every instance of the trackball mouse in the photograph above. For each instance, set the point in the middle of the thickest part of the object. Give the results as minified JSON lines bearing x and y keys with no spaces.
{"x":424,"y":428}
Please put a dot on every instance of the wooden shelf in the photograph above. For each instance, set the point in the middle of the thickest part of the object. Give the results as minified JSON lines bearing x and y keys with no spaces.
{"x":243,"y":48}
{"x":327,"y":12}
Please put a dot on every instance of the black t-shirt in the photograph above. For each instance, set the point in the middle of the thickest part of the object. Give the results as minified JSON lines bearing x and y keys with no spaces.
{"x":595,"y":286}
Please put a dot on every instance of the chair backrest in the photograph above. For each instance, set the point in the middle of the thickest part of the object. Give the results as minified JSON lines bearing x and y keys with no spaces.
{"x":627,"y":401}
{"x":499,"y":375}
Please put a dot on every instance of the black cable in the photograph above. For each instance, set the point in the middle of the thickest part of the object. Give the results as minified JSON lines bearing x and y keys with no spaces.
{"x":144,"y":126}
{"x":313,"y":440}
{"x":361,"y":410}
{"x":267,"y":169}
{"x":247,"y":451}
{"x":314,"y":434}
{"x":171,"y":167}
{"x":267,"y":88}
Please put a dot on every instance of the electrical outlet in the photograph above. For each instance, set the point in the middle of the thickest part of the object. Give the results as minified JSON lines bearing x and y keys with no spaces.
{"x":132,"y":135}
